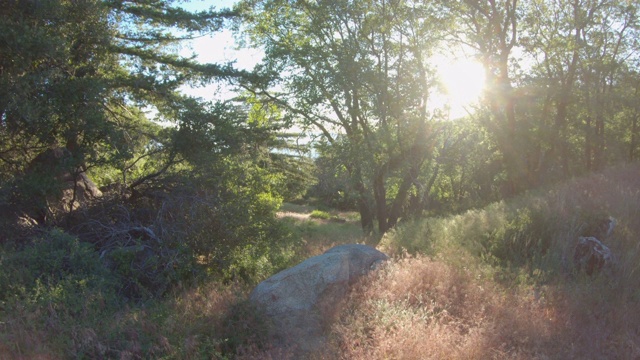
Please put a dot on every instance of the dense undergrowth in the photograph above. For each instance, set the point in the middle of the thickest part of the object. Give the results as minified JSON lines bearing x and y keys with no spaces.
{"x":495,"y":282}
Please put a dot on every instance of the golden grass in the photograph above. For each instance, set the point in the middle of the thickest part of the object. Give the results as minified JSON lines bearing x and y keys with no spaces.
{"x":465,"y":302}
{"x":318,"y":235}
{"x":418,"y":308}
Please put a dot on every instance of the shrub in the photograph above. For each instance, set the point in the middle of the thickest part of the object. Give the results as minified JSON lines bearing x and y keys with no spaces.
{"x":517,"y":255}
{"x":54,"y":292}
{"x":253,"y":263}
{"x":319,"y":214}
{"x":55,"y":267}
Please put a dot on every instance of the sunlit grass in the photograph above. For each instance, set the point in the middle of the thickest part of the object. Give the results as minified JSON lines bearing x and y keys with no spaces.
{"x":498,"y":282}
{"x":319,"y":233}
{"x":418,"y":308}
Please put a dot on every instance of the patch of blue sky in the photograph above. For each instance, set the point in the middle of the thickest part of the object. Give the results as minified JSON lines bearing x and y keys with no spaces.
{"x":220,"y":48}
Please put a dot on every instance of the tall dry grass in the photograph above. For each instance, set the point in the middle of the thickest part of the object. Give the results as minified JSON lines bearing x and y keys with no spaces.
{"x":418,"y":308}
{"x":498,"y":282}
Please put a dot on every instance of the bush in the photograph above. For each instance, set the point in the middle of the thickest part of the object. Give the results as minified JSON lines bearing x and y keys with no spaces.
{"x":54,"y":292}
{"x":56,"y":268}
{"x":498,"y":281}
{"x":319,"y":214}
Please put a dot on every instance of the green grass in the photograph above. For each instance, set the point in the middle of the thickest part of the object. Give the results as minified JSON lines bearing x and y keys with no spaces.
{"x":296,"y":208}
{"x":318,"y":234}
{"x":319,"y":214}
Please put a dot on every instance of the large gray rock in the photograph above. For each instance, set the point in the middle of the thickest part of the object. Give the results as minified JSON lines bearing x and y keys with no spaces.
{"x":301,"y":301}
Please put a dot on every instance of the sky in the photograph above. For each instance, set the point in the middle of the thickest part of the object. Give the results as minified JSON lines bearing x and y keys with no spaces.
{"x":220,"y":47}
{"x":462,"y":78}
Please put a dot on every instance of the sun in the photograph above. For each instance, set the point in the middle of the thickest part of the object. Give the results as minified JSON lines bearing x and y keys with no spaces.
{"x":463,"y":82}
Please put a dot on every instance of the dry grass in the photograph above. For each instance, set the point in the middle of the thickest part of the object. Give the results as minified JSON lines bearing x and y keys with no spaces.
{"x":418,"y":308}
{"x":486,"y":294}
{"x":210,"y":321}
{"x":318,"y":235}
{"x":469,"y":286}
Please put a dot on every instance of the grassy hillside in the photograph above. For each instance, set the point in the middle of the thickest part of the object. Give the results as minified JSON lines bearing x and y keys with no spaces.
{"x":499,"y":283}
{"x":489,"y":283}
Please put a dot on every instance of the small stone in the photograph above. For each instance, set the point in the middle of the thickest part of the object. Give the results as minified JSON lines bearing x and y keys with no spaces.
{"x":591,"y":255}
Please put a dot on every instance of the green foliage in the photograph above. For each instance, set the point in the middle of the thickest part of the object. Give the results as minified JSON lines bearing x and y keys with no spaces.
{"x":76,"y":77}
{"x":319,"y":214}
{"x":255,"y":262}
{"x":56,"y":269}
{"x":54,"y":288}
{"x":148,"y":270}
{"x":336,"y":80}
{"x":516,"y":234}
{"x":531,"y":238}
{"x":333,"y":187}
{"x":223,"y":218}
{"x":526,"y":234}
{"x":466,"y":171}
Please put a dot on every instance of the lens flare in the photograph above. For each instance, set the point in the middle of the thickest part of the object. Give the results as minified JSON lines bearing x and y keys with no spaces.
{"x":463,"y":81}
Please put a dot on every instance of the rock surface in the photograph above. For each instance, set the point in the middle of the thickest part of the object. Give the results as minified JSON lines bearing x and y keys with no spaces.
{"x":591,"y":255}
{"x":56,"y":187}
{"x":301,"y":301}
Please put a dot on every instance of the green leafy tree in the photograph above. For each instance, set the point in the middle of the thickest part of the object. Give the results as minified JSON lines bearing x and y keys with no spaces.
{"x":555,"y":82}
{"x":492,"y":28}
{"x":357,"y":73}
{"x":74,"y":76}
{"x":78,"y":80}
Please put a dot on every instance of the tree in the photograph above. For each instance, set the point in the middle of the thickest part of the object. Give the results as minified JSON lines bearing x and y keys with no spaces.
{"x":74,"y":76}
{"x":579,"y":48}
{"x":553,"y":71}
{"x":356,"y":72}
{"x":491,"y":28}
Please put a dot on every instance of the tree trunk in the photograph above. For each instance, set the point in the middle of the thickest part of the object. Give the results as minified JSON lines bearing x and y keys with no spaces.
{"x":634,"y":138}
{"x":366,"y":217}
{"x":380,"y":194}
{"x":364,"y":203}
{"x":560,"y":143}
{"x":599,"y":159}
{"x":396,"y":208}
{"x":587,"y":145}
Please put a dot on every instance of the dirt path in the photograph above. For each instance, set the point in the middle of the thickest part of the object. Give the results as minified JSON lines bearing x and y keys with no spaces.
{"x":293,"y":215}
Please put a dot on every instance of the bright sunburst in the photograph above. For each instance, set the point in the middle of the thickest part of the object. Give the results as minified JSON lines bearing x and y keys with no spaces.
{"x":463,"y":81}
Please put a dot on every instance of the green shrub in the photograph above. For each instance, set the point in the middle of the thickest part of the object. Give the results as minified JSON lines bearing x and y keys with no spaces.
{"x":55,"y":292}
{"x":149,"y":270}
{"x":526,"y":234}
{"x":516,"y":238}
{"x":56,"y":268}
{"x":319,"y":214}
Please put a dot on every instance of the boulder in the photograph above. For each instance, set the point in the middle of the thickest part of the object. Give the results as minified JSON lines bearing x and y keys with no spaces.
{"x":301,"y":301}
{"x":54,"y":187}
{"x":600,"y":229}
{"x":591,"y":255}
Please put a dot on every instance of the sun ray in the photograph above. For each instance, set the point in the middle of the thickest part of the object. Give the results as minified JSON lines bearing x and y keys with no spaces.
{"x":463,"y":83}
